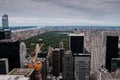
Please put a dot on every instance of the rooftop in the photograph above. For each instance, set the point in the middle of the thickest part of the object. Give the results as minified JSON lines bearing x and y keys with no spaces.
{"x":75,"y":34}
{"x":21,"y":71}
{"x":112,"y":75}
{"x":13,"y":77}
{"x":8,"y":40}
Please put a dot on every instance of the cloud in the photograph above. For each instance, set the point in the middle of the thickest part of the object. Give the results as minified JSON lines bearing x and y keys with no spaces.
{"x":95,"y":11}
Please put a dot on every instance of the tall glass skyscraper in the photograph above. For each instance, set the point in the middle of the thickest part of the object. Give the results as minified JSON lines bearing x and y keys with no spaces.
{"x":5,"y":21}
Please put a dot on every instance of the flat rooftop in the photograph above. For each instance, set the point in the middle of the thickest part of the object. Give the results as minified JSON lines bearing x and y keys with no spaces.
{"x":21,"y":71}
{"x":13,"y":77}
{"x":75,"y":34}
{"x":8,"y":40}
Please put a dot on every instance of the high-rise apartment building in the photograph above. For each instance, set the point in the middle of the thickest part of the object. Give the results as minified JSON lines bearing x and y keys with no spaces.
{"x":68,"y":66}
{"x":56,"y":62}
{"x":82,"y":67}
{"x":76,"y":43}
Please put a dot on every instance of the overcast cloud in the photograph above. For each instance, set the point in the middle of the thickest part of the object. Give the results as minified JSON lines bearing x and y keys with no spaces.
{"x":61,"y":12}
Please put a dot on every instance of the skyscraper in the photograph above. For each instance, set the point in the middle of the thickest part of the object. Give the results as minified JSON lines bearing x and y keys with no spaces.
{"x":104,"y":48}
{"x":23,"y":53}
{"x":10,"y":49}
{"x":56,"y":62}
{"x":5,"y":27}
{"x":23,"y":48}
{"x":5,"y":22}
{"x":62,"y":52}
{"x":111,"y":50}
{"x":109,"y":47}
{"x":68,"y":66}
{"x":76,"y":43}
{"x":96,"y":50}
{"x":44,"y":69}
{"x":82,"y":67}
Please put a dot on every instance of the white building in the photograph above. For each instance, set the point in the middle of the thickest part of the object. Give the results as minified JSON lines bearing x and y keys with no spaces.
{"x":23,"y":53}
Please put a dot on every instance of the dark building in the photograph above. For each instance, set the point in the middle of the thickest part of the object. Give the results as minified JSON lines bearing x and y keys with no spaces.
{"x":10,"y":49}
{"x":111,"y":50}
{"x":4,"y":66}
{"x":2,"y":35}
{"x":61,"y":58}
{"x":42,"y":55}
{"x":7,"y":34}
{"x":76,"y":43}
{"x":44,"y":69}
{"x":68,"y":66}
{"x":56,"y":62}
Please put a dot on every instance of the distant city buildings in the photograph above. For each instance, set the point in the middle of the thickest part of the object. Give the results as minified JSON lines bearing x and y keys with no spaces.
{"x":103,"y":59}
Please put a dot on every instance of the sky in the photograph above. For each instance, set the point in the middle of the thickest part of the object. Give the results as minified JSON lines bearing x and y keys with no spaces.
{"x":61,"y":12}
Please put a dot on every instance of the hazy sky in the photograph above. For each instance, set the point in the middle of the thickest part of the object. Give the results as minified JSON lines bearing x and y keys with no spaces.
{"x":61,"y":12}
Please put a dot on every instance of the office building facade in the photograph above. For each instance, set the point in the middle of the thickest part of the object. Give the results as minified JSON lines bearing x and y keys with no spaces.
{"x":5,"y":27}
{"x":111,"y":50}
{"x":68,"y":66}
{"x":56,"y":62}
{"x":76,"y":43}
{"x":44,"y":69}
{"x":104,"y":48}
{"x":10,"y":49}
{"x":82,"y":67}
{"x":5,"y":22}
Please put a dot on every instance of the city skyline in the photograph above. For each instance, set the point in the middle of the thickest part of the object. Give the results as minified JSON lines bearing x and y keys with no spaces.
{"x":63,"y":12}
